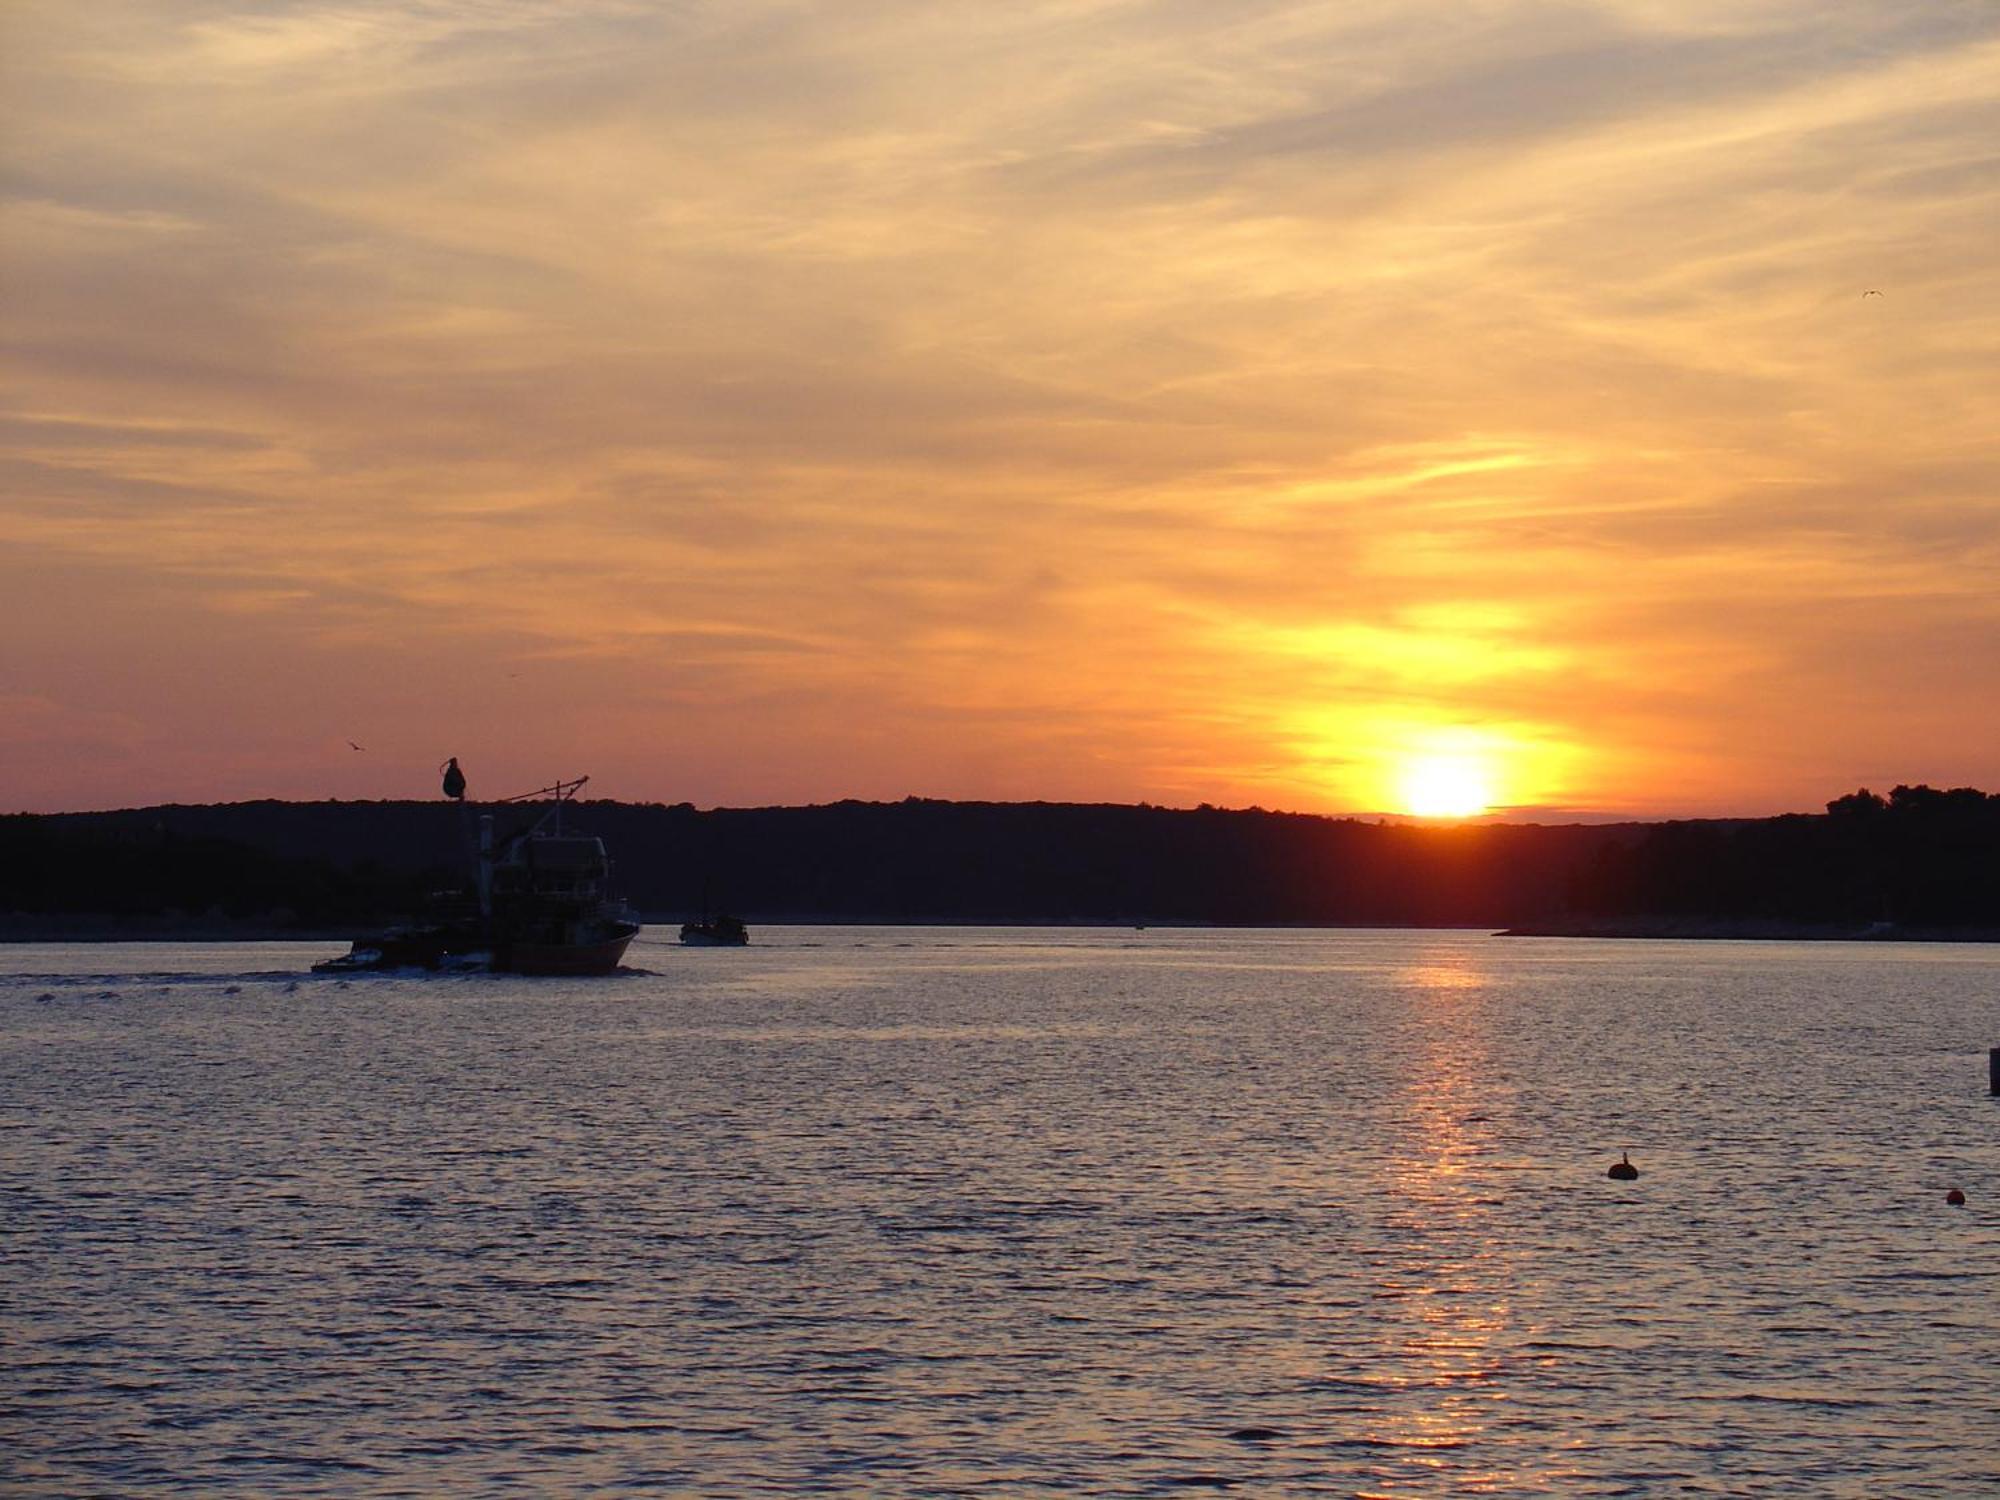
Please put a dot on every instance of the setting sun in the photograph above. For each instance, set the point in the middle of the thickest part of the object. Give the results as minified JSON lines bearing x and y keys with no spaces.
{"x":1445,"y":786}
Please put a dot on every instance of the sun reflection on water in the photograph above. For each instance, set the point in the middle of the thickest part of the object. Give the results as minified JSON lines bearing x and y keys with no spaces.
{"x":1445,"y":1263}
{"x":1441,"y":976}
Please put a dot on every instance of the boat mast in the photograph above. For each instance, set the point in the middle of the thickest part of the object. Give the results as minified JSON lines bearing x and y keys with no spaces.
{"x":486,"y":867}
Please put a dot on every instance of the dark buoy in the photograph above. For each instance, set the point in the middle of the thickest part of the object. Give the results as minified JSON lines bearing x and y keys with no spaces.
{"x":454,"y":780}
{"x":1955,"y":1198}
{"x":1622,"y":1169}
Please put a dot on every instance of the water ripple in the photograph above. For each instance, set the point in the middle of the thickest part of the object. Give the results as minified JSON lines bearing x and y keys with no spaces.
{"x":958,"y":1213}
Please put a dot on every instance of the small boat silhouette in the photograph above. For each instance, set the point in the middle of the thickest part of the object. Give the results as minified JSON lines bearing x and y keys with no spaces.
{"x":715,"y":932}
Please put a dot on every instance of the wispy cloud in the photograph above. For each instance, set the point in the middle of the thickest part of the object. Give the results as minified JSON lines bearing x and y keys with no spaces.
{"x":1121,"y":398}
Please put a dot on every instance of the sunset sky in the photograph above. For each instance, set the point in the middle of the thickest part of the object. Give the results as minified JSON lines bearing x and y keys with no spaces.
{"x":1276,"y":403}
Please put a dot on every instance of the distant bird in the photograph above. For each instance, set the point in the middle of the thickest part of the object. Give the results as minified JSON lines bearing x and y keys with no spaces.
{"x":454,"y":780}
{"x":1866,"y":295}
{"x":352,"y":746}
{"x":1955,"y":1198}
{"x":1622,"y":1170}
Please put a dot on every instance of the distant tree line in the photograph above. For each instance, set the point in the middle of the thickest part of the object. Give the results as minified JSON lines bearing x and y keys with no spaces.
{"x":113,"y":868}
{"x":1917,"y":858}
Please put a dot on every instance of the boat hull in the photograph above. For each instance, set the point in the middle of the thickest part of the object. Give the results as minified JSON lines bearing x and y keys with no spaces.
{"x":471,"y":946}
{"x":601,"y":957}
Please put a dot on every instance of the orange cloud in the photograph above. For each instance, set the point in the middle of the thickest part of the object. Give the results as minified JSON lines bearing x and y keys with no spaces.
{"x":1066,"y":399}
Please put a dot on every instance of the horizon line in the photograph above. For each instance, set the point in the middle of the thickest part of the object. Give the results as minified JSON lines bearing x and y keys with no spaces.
{"x":1517,"y":815}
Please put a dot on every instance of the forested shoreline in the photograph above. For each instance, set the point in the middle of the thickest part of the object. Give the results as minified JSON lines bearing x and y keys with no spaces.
{"x":1916,"y":862}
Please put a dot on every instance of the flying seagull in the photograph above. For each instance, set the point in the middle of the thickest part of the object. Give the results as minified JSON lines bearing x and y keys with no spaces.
{"x":352,"y":746}
{"x":1866,"y":295}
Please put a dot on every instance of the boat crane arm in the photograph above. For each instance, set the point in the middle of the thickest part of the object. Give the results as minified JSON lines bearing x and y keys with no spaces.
{"x":561,"y":791}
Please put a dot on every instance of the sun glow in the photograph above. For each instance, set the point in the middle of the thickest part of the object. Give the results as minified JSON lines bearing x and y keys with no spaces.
{"x":1446,"y":786}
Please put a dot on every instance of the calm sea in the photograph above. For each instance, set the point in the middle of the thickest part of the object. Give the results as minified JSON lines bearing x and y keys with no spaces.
{"x":972,"y":1212}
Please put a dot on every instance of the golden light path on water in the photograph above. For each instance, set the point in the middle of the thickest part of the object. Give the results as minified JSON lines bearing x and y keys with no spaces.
{"x":1453,"y":1273}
